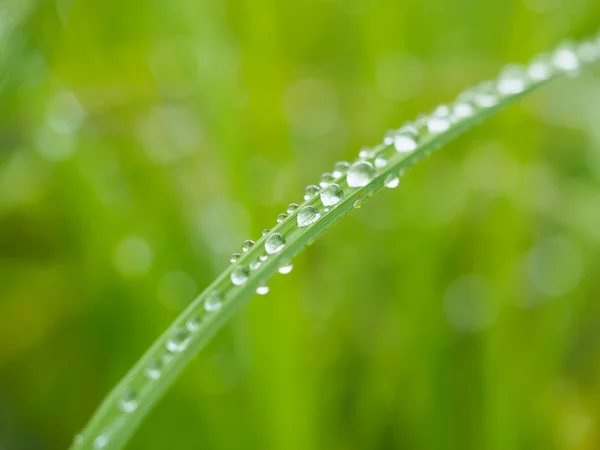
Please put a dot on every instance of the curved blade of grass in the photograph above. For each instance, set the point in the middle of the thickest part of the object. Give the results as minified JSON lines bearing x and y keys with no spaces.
{"x":129,"y":402}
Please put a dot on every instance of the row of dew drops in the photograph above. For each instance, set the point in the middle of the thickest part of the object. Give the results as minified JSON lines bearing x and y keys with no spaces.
{"x":513,"y":80}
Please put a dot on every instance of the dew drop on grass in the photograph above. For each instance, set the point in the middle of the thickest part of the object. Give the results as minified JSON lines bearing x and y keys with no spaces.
{"x":340,"y":168}
{"x":539,"y":69}
{"x":281,"y":217}
{"x":100,"y":441}
{"x":263,"y":257}
{"x":265,"y":232}
{"x":154,"y":370}
{"x":359,"y":174}
{"x":307,"y":216}
{"x":255,"y":264}
{"x":380,"y":162}
{"x":392,"y":181}
{"x":129,"y":402}
{"x":462,"y":110}
{"x":262,"y":289}
{"x":512,"y":80}
{"x":331,"y":195}
{"x":292,"y":207}
{"x":193,"y":324}
{"x":357,"y":204}
{"x":214,"y":300}
{"x":247,"y":245}
{"x":235,"y":257}
{"x":439,"y":120}
{"x":274,"y":243}
{"x":564,"y":58}
{"x":326,"y":180}
{"x":405,"y":142}
{"x":239,"y":275}
{"x":310,"y":191}
{"x":486,"y":95}
{"x":285,"y":268}
{"x":178,"y":342}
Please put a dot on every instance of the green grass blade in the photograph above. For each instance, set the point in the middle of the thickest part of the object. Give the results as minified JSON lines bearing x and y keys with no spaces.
{"x":128,"y":403}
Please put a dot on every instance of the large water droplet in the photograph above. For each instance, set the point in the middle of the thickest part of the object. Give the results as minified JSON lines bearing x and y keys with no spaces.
{"x":262,"y":289}
{"x":285,"y":268}
{"x":281,"y":217}
{"x":340,"y":168}
{"x":405,"y":141}
{"x":331,"y":195}
{"x":359,"y":174}
{"x":391,"y":181}
{"x":274,"y":243}
{"x":310,"y":191}
{"x":292,"y":207}
{"x":239,"y":275}
{"x":129,"y":402}
{"x":235,"y":257}
{"x":512,"y":80}
{"x":178,"y":342}
{"x":247,"y":245}
{"x":154,"y":370}
{"x":308,"y":215}
{"x":214,"y":300}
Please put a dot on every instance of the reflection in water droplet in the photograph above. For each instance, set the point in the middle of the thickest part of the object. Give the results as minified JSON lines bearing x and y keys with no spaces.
{"x":331,"y":195}
{"x":247,"y":245}
{"x":274,"y":243}
{"x":262,"y":289}
{"x":392,"y":181}
{"x":340,"y":168}
{"x":214,"y":300}
{"x":310,"y":191}
{"x":239,"y":275}
{"x":285,"y":268}
{"x":292,"y":207}
{"x":359,"y":174}
{"x":308,"y":215}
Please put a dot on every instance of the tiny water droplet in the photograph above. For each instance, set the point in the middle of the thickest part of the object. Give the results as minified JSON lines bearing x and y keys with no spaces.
{"x":512,"y":80}
{"x":486,"y":95}
{"x":439,"y":120}
{"x":357,"y":204}
{"x":129,"y":402}
{"x":214,"y":300}
{"x":281,"y":217}
{"x":178,"y":342}
{"x":539,"y":69}
{"x":564,"y":58}
{"x":405,"y":141}
{"x":193,"y":324}
{"x":239,"y":275}
{"x":247,"y":245}
{"x":274,"y":243}
{"x":154,"y":370}
{"x":365,"y":153}
{"x":262,"y":289}
{"x":359,"y":174}
{"x":263,"y":257}
{"x":265,"y":232}
{"x":588,"y":51}
{"x":331,"y":195}
{"x":235,"y":257}
{"x":326,"y":180}
{"x":310,"y":191}
{"x":392,"y":181}
{"x":100,"y":441}
{"x":255,"y":264}
{"x":462,"y":110}
{"x":292,"y":207}
{"x":307,"y":216}
{"x":340,"y":168}
{"x":380,"y":162}
{"x":285,"y":268}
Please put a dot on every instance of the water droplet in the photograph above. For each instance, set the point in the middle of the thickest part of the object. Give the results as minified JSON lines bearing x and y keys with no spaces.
{"x":239,"y":275}
{"x":262,"y":289}
{"x":310,"y":191}
{"x":462,"y":110}
{"x":331,"y":195}
{"x":539,"y":69}
{"x":263,"y":257}
{"x":564,"y":58}
{"x":326,"y":179}
{"x":247,"y":245}
{"x":405,"y":141}
{"x":365,"y":153}
{"x":274,"y":243}
{"x":439,"y":121}
{"x":255,"y":264}
{"x":285,"y":268}
{"x":486,"y":95}
{"x":292,"y":207}
{"x":512,"y":80}
{"x":281,"y":217}
{"x":588,"y":51}
{"x":308,"y":215}
{"x":357,"y":204}
{"x":340,"y":168}
{"x":392,"y":181}
{"x":235,"y":257}
{"x":178,"y":342}
{"x":154,"y":370}
{"x":214,"y":301}
{"x":193,"y":324}
{"x":359,"y":174}
{"x":265,"y":232}
{"x":129,"y":402}
{"x":380,"y":162}
{"x":100,"y":442}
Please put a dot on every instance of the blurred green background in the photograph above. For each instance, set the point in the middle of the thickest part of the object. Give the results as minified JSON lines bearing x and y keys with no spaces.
{"x":143,"y":141}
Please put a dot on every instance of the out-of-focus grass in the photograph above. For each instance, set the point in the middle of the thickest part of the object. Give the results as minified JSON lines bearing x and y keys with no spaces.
{"x":142,"y":142}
